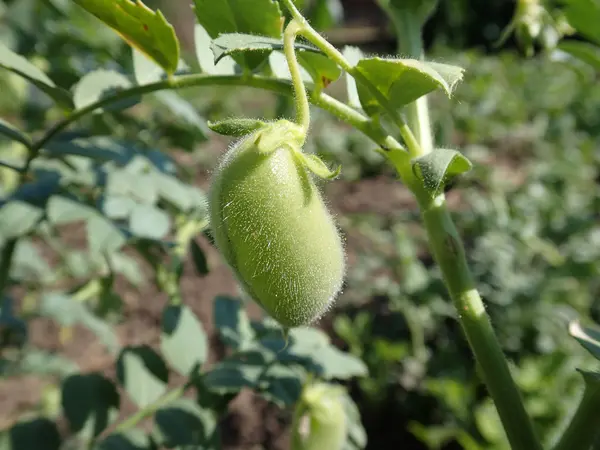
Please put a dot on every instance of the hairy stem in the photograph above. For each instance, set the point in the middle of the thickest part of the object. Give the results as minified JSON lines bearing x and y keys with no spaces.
{"x":302,"y":106}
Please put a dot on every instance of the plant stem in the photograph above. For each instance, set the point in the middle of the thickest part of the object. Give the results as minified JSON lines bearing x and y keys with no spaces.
{"x":449,"y":252}
{"x":584,"y":426}
{"x":302,"y":106}
{"x":169,"y":397}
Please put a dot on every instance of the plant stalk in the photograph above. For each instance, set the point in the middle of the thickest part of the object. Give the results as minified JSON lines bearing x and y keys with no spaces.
{"x":302,"y":105}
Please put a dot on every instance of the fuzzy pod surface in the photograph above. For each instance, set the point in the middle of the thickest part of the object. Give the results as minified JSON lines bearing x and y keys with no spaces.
{"x":273,"y":228}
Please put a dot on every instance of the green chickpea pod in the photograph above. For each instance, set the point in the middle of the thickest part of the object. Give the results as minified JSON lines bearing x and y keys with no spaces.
{"x":272,"y":226}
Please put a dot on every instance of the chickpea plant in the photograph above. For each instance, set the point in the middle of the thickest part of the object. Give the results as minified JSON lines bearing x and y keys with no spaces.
{"x":267,"y":216}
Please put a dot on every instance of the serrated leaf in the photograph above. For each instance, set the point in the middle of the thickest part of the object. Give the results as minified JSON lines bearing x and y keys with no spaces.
{"x":183,"y":340}
{"x":237,"y":127}
{"x":12,"y":132}
{"x":143,"y":374}
{"x":19,"y":65}
{"x":586,"y":52}
{"x":438,"y":167}
{"x":259,"y":17}
{"x":149,"y":222}
{"x":233,"y":43}
{"x":231,"y":321}
{"x":183,"y":423}
{"x":126,"y":440}
{"x":403,"y":81}
{"x":206,"y":58}
{"x":142,"y":28}
{"x":589,"y":338}
{"x":322,"y":69}
{"x":96,"y":85}
{"x":90,"y":403}
{"x":18,"y":218}
{"x":199,"y":258}
{"x":39,"y":434}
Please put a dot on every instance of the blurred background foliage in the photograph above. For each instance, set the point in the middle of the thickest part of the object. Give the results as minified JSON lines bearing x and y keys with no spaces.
{"x":529,"y":211}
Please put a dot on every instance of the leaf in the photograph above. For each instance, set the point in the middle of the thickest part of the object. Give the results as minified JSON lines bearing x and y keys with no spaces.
{"x":12,"y":132}
{"x":317,"y":166}
{"x":142,"y":28}
{"x":183,"y":423}
{"x":183,"y":340}
{"x":588,"y":53}
{"x":322,"y":70}
{"x":19,"y":65}
{"x":241,"y":370}
{"x":39,"y":434}
{"x":145,"y":70}
{"x":438,"y":167}
{"x":353,"y":55}
{"x":233,"y":43}
{"x":283,"y":385}
{"x":280,"y":68}
{"x":98,"y":148}
{"x":67,"y":311}
{"x":99,"y":84}
{"x":62,"y":210}
{"x":18,"y":218}
{"x":143,"y":374}
{"x":584,"y":16}
{"x":149,"y":222}
{"x":237,"y":127}
{"x":132,"y":439}
{"x":258,"y":17}
{"x":206,"y":58}
{"x":181,"y":111}
{"x":37,"y":192}
{"x":104,"y":237}
{"x":199,"y":258}
{"x":403,"y":81}
{"x":336,"y":364}
{"x":589,"y":338}
{"x":90,"y":402}
{"x":117,"y":207}
{"x":231,"y":321}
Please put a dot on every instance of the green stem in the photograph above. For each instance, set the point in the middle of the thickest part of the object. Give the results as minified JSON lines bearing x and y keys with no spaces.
{"x":169,"y":397}
{"x":5,"y":263}
{"x":302,"y":106}
{"x":584,"y":426}
{"x":449,"y":252}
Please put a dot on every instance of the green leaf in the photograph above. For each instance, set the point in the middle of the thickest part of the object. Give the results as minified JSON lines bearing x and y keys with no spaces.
{"x":14,"y":133}
{"x":142,"y":28}
{"x":90,"y":403}
{"x":584,"y":16}
{"x":181,"y":111}
{"x":118,"y":207}
{"x":206,"y":58}
{"x":237,"y":127}
{"x":322,"y":69}
{"x":438,"y":167}
{"x":403,"y":81}
{"x":19,"y":65}
{"x":234,"y":43}
{"x":199,"y":258}
{"x":62,"y":210}
{"x":282,"y":385}
{"x":588,"y":53}
{"x":149,"y":222}
{"x":98,"y":148}
{"x":18,"y":218}
{"x":126,"y":440}
{"x":241,"y":370}
{"x":259,"y":17}
{"x":143,"y":374}
{"x":231,"y":322}
{"x":174,"y":191}
{"x":589,"y":338}
{"x":183,"y":423}
{"x":317,"y":166}
{"x":336,"y":364}
{"x":68,"y":311}
{"x":39,"y":434}
{"x":104,"y":237}
{"x":353,"y":55}
{"x":99,"y":84}
{"x":183,"y":340}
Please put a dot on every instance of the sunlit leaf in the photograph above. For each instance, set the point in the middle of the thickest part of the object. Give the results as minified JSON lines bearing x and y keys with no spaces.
{"x":142,"y":28}
{"x":183,"y":341}
{"x":438,"y":167}
{"x":99,"y":84}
